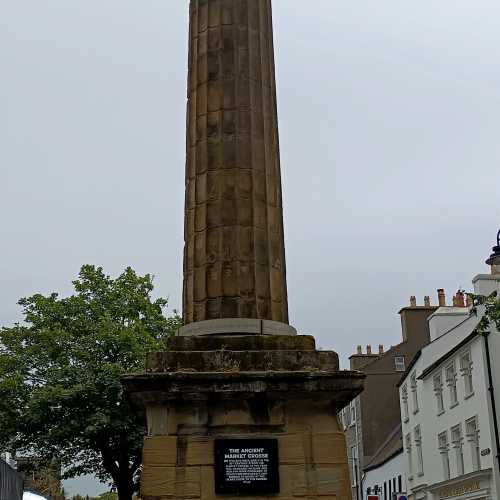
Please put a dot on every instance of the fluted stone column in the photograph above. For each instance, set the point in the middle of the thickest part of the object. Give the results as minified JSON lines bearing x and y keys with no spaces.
{"x":234,"y":257}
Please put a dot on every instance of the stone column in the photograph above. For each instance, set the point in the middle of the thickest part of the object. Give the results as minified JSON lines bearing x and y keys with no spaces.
{"x":234,"y":257}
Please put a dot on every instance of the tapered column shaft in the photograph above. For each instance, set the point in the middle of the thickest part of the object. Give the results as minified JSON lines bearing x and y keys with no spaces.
{"x":234,"y":258}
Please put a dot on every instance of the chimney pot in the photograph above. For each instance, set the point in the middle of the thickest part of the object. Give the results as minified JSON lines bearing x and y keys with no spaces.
{"x":413,"y":301}
{"x":427,"y":301}
{"x":360,"y":350}
{"x":460,"y":299}
{"x":441,"y":297}
{"x":470,"y":302}
{"x":381,"y":349}
{"x":368,"y":349}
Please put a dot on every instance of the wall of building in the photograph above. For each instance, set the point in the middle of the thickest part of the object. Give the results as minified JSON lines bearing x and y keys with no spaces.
{"x":485,"y":285}
{"x":433,"y":422}
{"x":387,"y":478}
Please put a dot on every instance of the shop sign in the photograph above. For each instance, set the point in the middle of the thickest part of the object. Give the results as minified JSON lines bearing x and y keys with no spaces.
{"x":457,"y":491}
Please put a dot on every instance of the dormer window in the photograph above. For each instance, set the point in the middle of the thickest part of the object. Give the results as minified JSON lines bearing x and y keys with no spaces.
{"x":400,"y":364}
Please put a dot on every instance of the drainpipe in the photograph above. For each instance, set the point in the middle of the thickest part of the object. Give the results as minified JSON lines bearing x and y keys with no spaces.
{"x":357,"y":467}
{"x":491,"y":390}
{"x":356,"y":473}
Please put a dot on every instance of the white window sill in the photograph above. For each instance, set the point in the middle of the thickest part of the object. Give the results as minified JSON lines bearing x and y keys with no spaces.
{"x":468,"y":396}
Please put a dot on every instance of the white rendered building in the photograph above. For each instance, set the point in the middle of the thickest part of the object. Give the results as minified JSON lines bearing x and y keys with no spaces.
{"x":385,"y":474}
{"x":450,"y":434}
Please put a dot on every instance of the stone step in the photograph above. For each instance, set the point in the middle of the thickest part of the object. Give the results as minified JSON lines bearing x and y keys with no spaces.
{"x":242,"y":343}
{"x":235,"y":361}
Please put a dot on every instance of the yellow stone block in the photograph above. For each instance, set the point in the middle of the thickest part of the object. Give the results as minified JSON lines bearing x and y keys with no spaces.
{"x":329,"y":448}
{"x":179,"y":482}
{"x":293,"y":481}
{"x":291,"y":449}
{"x":200,"y":451}
{"x":160,"y":451}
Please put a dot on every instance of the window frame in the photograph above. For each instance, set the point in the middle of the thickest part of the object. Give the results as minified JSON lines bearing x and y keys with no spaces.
{"x":400,"y":364}
{"x":417,"y":433}
{"x":466,"y":369}
{"x":474,"y":441}
{"x":444,"y":450}
{"x":451,"y":382}
{"x":405,"y":405}
{"x":409,"y":456}
{"x":457,"y":443}
{"x":437,"y":381}
{"x":353,"y":412}
{"x":413,"y":387}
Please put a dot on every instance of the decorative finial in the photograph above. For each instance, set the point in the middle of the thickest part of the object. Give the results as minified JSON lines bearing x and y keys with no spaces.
{"x":495,"y":256}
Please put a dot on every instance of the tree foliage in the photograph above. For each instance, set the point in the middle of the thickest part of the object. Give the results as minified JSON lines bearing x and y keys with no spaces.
{"x":488,"y":309}
{"x":60,"y":391}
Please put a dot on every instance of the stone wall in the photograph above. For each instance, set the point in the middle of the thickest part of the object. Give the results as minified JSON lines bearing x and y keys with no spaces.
{"x":312,"y":451}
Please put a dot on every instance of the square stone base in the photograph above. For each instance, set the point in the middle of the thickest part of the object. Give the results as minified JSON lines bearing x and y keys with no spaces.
{"x":261,"y":387}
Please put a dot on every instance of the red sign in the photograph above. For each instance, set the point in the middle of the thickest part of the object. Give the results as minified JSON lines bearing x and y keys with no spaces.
{"x":373,"y":497}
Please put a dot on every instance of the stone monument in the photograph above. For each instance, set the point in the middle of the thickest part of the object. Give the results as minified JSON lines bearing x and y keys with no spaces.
{"x":238,"y":404}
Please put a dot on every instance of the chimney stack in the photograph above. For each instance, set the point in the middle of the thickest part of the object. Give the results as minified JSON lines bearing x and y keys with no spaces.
{"x":427,"y":301}
{"x":441,"y":297}
{"x":460,"y":299}
{"x":368,"y":349}
{"x":470,"y":302}
{"x":413,"y":301}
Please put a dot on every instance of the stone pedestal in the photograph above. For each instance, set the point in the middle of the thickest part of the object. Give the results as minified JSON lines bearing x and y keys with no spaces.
{"x":244,"y":387}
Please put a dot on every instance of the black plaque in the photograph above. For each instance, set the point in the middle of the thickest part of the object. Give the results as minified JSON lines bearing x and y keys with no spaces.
{"x":246,"y":467}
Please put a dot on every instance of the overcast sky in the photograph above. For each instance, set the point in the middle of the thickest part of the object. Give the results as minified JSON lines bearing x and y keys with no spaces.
{"x":389,"y":123}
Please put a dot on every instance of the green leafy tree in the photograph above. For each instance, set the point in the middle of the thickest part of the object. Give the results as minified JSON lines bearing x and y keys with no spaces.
{"x":108,"y":496}
{"x":488,"y":308}
{"x":60,"y":391}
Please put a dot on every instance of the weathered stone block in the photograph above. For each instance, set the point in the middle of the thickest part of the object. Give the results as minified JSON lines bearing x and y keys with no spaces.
{"x":178,"y":482}
{"x":160,"y":451}
{"x":329,"y":448}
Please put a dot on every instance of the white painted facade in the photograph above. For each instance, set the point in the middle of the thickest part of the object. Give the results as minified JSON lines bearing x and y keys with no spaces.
{"x":387,"y":479}
{"x":446,"y":411}
{"x":9,"y":459}
{"x":485,"y":284}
